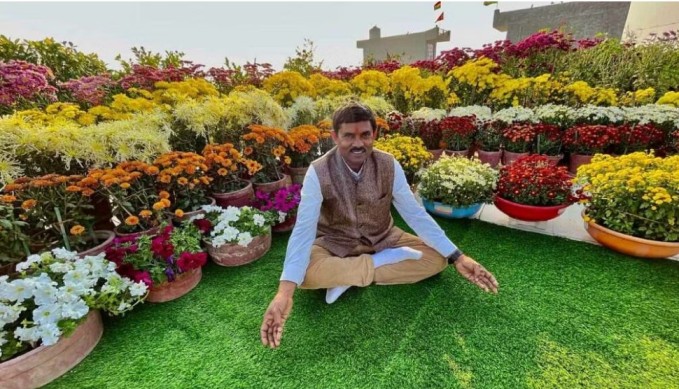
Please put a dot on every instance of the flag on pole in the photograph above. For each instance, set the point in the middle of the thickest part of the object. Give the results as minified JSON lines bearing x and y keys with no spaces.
{"x":440,"y":18}
{"x":486,"y":3}
{"x":437,"y":5}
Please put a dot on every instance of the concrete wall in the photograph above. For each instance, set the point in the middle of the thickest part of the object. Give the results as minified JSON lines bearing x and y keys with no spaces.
{"x":583,"y":19}
{"x":408,"y":48}
{"x":651,"y":17}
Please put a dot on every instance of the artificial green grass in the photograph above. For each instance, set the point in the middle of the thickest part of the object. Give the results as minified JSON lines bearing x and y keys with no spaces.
{"x":568,"y":314}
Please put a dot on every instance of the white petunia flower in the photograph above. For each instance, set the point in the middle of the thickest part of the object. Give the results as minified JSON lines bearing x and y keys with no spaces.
{"x":59,"y":267}
{"x":49,"y":313}
{"x":17,"y":290}
{"x":22,"y":266}
{"x":27,"y":334}
{"x":282,"y":216}
{"x":10,"y":313}
{"x":138,"y":289}
{"x":244,"y":238}
{"x":259,"y":220}
{"x":62,"y":253}
{"x":49,"y":333}
{"x":75,"y":310}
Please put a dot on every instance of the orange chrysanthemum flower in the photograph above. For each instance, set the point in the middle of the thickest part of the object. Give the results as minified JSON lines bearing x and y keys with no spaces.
{"x":248,"y":150}
{"x":159,"y":206}
{"x":8,"y":199}
{"x":77,"y":230}
{"x":73,"y":188}
{"x":145,"y":214}
{"x":163,"y":194}
{"x":166,"y":202}
{"x":179,"y":213}
{"x":222,"y":172}
{"x":132,"y":221}
{"x":125,"y":185}
{"x":29,"y":204}
{"x":182,"y":181}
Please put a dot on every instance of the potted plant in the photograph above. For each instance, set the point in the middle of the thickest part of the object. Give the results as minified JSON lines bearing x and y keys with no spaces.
{"x":183,"y":175}
{"x":457,"y":187}
{"x":410,"y":152}
{"x":304,"y":150}
{"x":458,"y":133}
{"x":517,"y":140}
{"x":533,"y":189}
{"x":268,"y":146}
{"x":583,"y":141}
{"x":50,"y":316}
{"x":235,"y":236}
{"x":169,"y":263}
{"x":284,"y":202}
{"x":548,"y":142}
{"x":131,"y":188}
{"x":55,"y":209}
{"x":489,"y":142}
{"x":430,"y":133}
{"x":631,"y":203}
{"x":226,"y":167}
{"x":639,"y":137}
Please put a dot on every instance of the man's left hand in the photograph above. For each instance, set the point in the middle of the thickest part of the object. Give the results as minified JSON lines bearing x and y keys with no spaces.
{"x":476,"y":274}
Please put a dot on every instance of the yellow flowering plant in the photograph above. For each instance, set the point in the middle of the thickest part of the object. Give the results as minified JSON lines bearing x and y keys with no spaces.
{"x":285,"y":86}
{"x":635,"y":194}
{"x":370,"y":83}
{"x":410,"y":152}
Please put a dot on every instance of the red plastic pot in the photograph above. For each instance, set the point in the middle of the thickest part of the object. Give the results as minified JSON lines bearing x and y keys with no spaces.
{"x":529,"y":213}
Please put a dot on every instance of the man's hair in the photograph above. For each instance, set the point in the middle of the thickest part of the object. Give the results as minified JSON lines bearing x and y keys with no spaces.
{"x":353,"y":113}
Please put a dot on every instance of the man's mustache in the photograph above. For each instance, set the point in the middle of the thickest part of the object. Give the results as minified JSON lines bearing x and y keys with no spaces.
{"x":357,"y":149}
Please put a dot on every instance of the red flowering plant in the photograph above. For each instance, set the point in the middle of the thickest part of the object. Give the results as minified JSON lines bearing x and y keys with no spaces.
{"x":283,"y":201}
{"x":533,"y":180}
{"x":430,"y":133}
{"x":159,"y":259}
{"x":547,"y":139}
{"x":639,"y":137}
{"x":489,"y":136}
{"x":458,"y":132}
{"x":591,"y":139}
{"x":518,"y":137}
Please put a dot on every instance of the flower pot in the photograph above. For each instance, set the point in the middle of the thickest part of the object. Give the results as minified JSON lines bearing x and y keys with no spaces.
{"x":286,"y":226}
{"x":448,"y":211}
{"x":458,"y":153}
{"x":236,"y":255}
{"x":435,"y":154}
{"x":182,"y":285}
{"x":630,"y":245}
{"x":46,"y":363}
{"x":508,"y":157}
{"x":150,"y":232}
{"x":188,"y":215}
{"x":530,"y":213}
{"x":490,"y":157}
{"x":270,"y":187}
{"x":554,"y":159}
{"x":577,"y":160}
{"x":297,"y":174}
{"x":237,"y":198}
{"x":105,"y":240}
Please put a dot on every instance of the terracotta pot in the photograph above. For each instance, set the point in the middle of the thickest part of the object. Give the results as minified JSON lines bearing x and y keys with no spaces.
{"x":458,"y":153}
{"x":577,"y":160}
{"x":508,"y":157}
{"x":46,"y":363}
{"x":435,"y":154}
{"x":631,"y":245}
{"x":236,"y":255}
{"x":286,"y":226}
{"x":450,"y":212}
{"x":270,"y":187}
{"x":490,"y":157}
{"x":150,"y":232}
{"x":105,"y":240}
{"x":237,"y":198}
{"x":182,"y":285}
{"x":554,"y":159}
{"x":530,"y":213}
{"x":188,"y":215}
{"x":297,"y":174}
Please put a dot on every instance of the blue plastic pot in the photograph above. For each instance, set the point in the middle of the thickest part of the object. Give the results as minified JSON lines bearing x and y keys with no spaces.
{"x":450,"y":212}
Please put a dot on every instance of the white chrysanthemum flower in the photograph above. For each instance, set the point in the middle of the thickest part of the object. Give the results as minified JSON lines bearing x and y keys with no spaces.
{"x":244,"y":238}
{"x":199,"y":216}
{"x":515,"y":114}
{"x":481,"y":112}
{"x":428,"y":114}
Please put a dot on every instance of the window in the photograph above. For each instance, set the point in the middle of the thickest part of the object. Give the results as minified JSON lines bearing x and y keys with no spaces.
{"x":431,"y":50}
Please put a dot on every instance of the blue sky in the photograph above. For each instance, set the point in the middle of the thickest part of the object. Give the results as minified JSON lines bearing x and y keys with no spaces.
{"x":268,"y":31}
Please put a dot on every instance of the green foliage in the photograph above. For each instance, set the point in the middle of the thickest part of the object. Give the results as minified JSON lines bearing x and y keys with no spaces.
{"x":65,"y":61}
{"x":303,"y":61}
{"x":143,"y":57}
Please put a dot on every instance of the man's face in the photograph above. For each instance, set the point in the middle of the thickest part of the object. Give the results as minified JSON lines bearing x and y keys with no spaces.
{"x":354,"y":142}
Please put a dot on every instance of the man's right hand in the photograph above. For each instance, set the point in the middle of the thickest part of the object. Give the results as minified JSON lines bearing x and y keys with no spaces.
{"x":276,"y":315}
